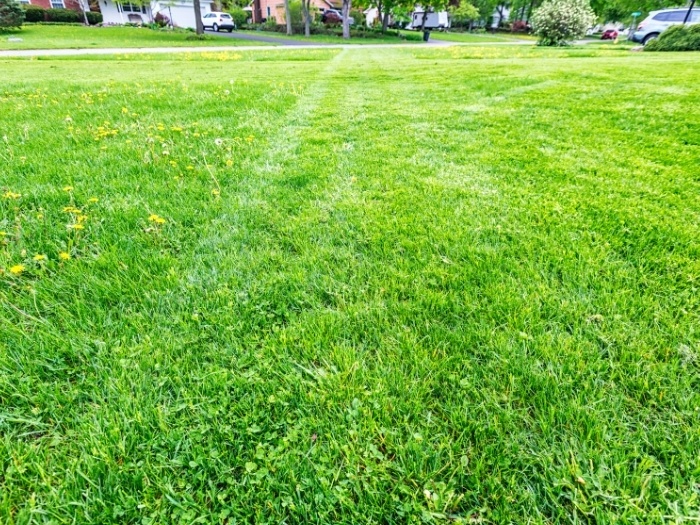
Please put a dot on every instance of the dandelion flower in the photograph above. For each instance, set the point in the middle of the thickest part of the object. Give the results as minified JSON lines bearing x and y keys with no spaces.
{"x":11,"y":195}
{"x":76,"y":227}
{"x":64,"y":256}
{"x":125,"y":110}
{"x":157,"y":219}
{"x":218,"y":142}
{"x":39,"y":257}
{"x":229,"y":163}
{"x":17,"y":269}
{"x":215,"y":192}
{"x":67,"y":188}
{"x":93,"y":200}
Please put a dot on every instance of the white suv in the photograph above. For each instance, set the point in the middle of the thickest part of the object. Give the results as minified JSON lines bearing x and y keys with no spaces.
{"x":217,"y":21}
{"x":657,"y":21}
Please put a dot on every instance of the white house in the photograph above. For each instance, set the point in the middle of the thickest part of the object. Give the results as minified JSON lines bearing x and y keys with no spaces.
{"x":179,"y":12}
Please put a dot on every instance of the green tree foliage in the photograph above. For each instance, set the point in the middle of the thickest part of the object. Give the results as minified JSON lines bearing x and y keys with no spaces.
{"x":296,"y":13}
{"x":557,"y":22}
{"x":239,"y":16}
{"x":464,"y":13}
{"x":11,"y":15}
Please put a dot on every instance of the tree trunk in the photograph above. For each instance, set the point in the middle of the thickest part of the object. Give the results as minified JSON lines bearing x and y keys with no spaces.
{"x":529,"y":10}
{"x":385,"y":21}
{"x":426,"y":34}
{"x":257,"y":12}
{"x":84,"y":8}
{"x":198,"y":17}
{"x":346,"y":20}
{"x":306,"y":11}
{"x":288,"y":17}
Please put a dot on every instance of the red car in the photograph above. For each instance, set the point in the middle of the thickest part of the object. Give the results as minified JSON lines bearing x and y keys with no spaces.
{"x":609,"y":34}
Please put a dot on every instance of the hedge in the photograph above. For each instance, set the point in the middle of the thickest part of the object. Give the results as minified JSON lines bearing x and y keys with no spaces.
{"x":39,"y":14}
{"x":677,"y":38}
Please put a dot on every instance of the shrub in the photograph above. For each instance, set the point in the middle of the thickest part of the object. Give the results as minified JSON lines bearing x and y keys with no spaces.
{"x":161,"y":20}
{"x":296,"y":12}
{"x":63,"y":15}
{"x":60,"y":16}
{"x":677,"y":38}
{"x":94,"y":18}
{"x":11,"y":14}
{"x":33,"y":13}
{"x":240,"y":17}
{"x":557,"y":22}
{"x":520,"y":26}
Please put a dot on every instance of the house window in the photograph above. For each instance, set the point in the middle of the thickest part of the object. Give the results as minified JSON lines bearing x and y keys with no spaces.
{"x":57,"y":4}
{"x":268,"y":11}
{"x":24,"y":1}
{"x":131,"y":8}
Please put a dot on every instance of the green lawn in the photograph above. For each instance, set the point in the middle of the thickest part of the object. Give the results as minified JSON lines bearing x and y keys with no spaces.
{"x":404,"y":285}
{"x":80,"y":37}
{"x":473,"y":38}
{"x":332,"y":39}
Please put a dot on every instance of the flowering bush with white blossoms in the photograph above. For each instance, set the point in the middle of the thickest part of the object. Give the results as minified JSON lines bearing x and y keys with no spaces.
{"x":557,"y":22}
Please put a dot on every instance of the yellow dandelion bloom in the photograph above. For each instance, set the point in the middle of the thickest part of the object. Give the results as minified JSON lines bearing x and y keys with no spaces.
{"x":39,"y":257}
{"x":93,"y":200}
{"x":75,"y":227}
{"x":64,"y":256}
{"x":67,"y":188}
{"x":215,"y":192}
{"x":157,"y":219}
{"x":17,"y":269}
{"x":229,"y":163}
{"x":11,"y":195}
{"x":81,"y":218}
{"x":125,"y":110}
{"x":176,"y":128}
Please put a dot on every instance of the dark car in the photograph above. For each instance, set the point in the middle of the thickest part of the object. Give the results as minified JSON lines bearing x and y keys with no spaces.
{"x":609,"y":34}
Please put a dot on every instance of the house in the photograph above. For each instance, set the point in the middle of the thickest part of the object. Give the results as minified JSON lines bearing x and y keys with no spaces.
{"x":274,"y":9}
{"x":179,"y":12}
{"x":57,"y":4}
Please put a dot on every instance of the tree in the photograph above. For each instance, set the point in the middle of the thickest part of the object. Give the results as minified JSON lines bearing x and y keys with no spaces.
{"x":464,"y":14}
{"x":11,"y":14}
{"x":288,"y":17}
{"x":306,"y":11}
{"x":347,"y":4}
{"x":198,"y":18}
{"x":557,"y":22}
{"x":84,"y":7}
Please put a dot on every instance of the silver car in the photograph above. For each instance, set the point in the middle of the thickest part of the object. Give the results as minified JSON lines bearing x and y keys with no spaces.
{"x":657,"y":21}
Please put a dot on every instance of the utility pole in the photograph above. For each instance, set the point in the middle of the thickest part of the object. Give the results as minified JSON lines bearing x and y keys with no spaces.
{"x":690,"y":10}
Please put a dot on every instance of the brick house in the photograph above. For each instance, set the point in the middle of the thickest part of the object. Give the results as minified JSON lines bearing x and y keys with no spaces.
{"x":55,"y":4}
{"x":274,"y":9}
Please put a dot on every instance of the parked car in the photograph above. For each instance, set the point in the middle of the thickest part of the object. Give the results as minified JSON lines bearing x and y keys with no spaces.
{"x":609,"y":34}
{"x":658,"y":21}
{"x":335,"y":16}
{"x":217,"y":21}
